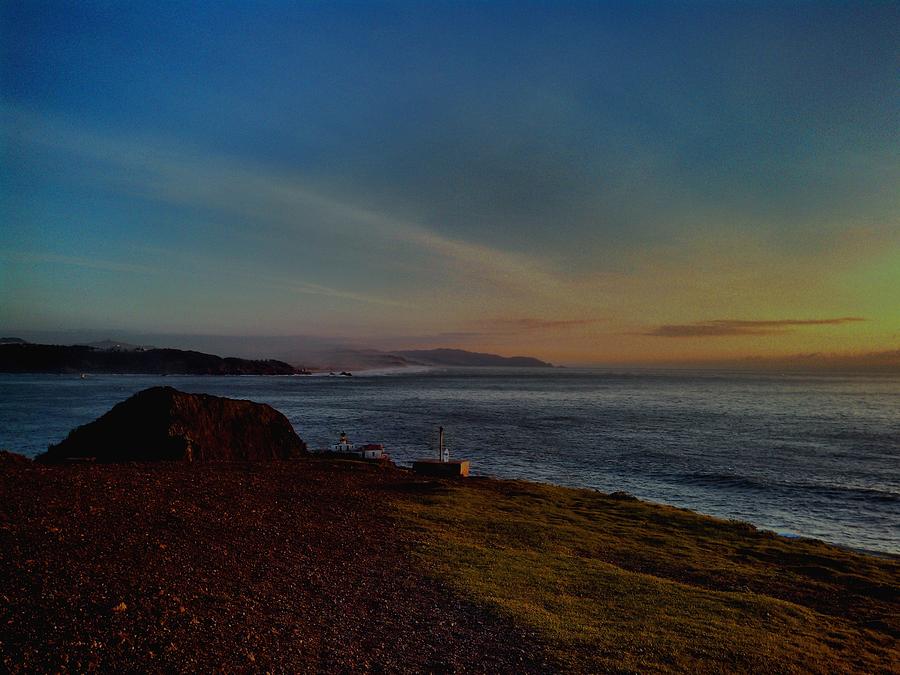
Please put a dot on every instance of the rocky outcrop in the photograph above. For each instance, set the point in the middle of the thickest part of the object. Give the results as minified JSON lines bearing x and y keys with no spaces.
{"x":162,"y":423}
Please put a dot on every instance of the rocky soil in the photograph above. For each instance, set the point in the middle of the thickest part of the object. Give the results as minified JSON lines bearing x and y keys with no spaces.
{"x":274,"y":566}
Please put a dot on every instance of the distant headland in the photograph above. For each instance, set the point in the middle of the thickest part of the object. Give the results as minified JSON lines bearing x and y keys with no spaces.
{"x":461,"y":357}
{"x":111,"y":357}
{"x":20,"y":357}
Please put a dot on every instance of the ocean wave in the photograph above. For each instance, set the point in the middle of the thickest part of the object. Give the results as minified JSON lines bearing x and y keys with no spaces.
{"x":725,"y":480}
{"x":854,"y":493}
{"x":889,"y":439}
{"x":733,"y":481}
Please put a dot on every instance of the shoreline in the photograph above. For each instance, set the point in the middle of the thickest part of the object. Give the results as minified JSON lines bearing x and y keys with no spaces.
{"x":741,"y":522}
{"x":608,"y":452}
{"x":475,"y":476}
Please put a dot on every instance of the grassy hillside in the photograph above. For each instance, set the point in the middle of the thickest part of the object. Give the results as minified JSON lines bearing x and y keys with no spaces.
{"x":615,"y":584}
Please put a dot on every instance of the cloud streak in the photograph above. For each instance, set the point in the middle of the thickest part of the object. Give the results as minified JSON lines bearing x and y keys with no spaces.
{"x":32,"y":257}
{"x":529,"y":323}
{"x":278,"y":203}
{"x":736,"y":327}
{"x":291,"y":285}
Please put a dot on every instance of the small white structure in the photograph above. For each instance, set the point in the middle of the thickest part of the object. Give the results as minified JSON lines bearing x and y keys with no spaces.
{"x":442,"y":466}
{"x":371,"y":451}
{"x":345,"y":447}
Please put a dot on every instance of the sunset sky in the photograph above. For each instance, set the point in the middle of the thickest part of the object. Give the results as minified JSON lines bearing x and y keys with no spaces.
{"x":581,"y":182}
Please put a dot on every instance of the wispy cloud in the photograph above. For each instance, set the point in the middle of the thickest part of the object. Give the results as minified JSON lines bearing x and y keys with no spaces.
{"x":34,"y":257}
{"x":880,"y":362}
{"x":291,"y":285}
{"x":279,"y":203}
{"x":193,"y":263}
{"x":317,"y":289}
{"x":529,"y":323}
{"x":735,"y":327}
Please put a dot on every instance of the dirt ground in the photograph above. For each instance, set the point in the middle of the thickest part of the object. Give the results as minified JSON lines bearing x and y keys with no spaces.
{"x":270,"y":566}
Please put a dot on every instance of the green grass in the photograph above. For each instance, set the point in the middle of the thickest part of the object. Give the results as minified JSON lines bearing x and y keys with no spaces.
{"x":625,"y":586}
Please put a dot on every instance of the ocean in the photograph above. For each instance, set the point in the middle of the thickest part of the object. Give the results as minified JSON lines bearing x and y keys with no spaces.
{"x":802,"y":455}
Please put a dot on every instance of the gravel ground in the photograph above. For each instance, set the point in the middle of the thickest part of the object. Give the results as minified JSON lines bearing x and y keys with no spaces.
{"x":278,"y":566}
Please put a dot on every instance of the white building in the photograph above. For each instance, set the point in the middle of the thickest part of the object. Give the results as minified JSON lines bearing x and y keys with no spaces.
{"x":367,"y":451}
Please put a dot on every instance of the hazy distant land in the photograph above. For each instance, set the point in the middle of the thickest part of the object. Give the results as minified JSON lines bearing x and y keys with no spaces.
{"x":109,"y":356}
{"x":461,"y":357}
{"x":327,"y":354}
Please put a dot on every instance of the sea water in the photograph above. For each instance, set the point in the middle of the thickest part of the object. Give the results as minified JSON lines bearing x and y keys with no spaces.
{"x":808,"y":455}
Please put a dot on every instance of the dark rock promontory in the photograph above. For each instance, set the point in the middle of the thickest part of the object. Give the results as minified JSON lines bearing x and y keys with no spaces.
{"x":162,"y":423}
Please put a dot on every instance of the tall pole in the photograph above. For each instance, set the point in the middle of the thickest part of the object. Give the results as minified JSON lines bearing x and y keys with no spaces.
{"x":441,"y":443}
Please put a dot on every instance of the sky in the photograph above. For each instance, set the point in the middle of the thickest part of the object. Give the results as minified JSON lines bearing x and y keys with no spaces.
{"x":633,"y":182}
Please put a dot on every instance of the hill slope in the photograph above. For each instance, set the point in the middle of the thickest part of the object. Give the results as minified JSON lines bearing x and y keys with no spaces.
{"x":324,"y":566}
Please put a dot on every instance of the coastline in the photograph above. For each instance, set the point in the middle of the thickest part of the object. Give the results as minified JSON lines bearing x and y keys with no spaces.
{"x":344,"y":558}
{"x":744,"y":450}
{"x":737,"y":522}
